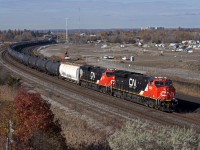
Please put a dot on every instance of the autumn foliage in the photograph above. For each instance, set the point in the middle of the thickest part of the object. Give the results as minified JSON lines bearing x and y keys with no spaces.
{"x":34,"y":115}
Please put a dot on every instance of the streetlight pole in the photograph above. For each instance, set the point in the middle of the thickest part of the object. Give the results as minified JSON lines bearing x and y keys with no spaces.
{"x":66,"y":30}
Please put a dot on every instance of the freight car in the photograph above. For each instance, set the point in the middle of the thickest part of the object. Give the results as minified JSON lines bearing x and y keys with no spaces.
{"x":41,"y":63}
{"x":70,"y":72}
{"x":52,"y":68}
{"x":26,"y":59}
{"x":156,"y":92}
{"x":32,"y":61}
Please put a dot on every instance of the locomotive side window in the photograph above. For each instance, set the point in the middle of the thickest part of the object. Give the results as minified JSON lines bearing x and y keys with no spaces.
{"x":159,"y":83}
{"x":168,"y":83}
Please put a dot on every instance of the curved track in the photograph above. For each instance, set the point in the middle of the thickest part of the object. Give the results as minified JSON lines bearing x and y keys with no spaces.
{"x":100,"y":104}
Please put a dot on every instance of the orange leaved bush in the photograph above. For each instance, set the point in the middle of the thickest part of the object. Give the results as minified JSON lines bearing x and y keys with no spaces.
{"x":34,"y":115}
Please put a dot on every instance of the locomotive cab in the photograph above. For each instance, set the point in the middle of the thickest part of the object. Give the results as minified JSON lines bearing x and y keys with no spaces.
{"x":160,"y":88}
{"x":108,"y":78}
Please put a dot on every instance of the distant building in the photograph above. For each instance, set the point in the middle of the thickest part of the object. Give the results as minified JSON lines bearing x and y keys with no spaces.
{"x":93,"y":35}
{"x":82,"y":34}
{"x":152,"y":28}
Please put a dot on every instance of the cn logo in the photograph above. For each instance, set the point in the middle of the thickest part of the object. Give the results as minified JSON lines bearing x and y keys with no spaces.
{"x":92,"y":75}
{"x":132,"y":83}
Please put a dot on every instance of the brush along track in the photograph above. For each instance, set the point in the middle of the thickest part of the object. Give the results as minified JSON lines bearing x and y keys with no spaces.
{"x":100,"y":104}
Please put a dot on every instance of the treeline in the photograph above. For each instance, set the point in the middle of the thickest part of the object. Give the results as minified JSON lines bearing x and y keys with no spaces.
{"x":112,"y":36}
{"x":132,"y":36}
{"x":19,"y":35}
{"x":169,"y":36}
{"x":154,"y":36}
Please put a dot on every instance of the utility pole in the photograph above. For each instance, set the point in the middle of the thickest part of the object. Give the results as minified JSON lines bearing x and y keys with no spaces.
{"x":57,"y":36}
{"x":66,"y":30}
{"x":79,"y":20}
{"x":9,"y":139}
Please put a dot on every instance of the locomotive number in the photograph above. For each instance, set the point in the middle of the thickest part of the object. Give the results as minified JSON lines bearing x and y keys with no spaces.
{"x":132,"y":83}
{"x":92,"y":75}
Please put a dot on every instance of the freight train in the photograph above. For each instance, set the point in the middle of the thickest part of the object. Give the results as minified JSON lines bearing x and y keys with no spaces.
{"x":155,"y":92}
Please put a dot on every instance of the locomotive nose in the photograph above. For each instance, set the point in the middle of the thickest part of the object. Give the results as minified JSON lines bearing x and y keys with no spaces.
{"x":165,"y":94}
{"x":169,"y":93}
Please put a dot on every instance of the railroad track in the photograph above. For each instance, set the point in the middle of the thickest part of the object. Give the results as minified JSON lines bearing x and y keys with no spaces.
{"x":101,"y":104}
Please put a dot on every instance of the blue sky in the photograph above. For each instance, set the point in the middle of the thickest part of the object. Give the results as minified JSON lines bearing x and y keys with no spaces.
{"x":98,"y":14}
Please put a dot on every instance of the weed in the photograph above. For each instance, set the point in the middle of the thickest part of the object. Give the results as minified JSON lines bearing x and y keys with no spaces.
{"x":142,"y":135}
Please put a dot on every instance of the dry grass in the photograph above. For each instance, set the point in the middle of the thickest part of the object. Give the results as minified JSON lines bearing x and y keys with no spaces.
{"x":140,"y":135}
{"x":189,"y":89}
{"x":186,"y":86}
{"x":77,"y":132}
{"x":7,"y":93}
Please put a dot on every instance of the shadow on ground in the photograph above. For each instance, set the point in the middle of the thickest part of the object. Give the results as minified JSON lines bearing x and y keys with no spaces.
{"x":188,"y":104}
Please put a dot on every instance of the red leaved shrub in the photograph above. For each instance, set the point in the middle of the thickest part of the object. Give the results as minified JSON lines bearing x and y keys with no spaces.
{"x":34,"y":114}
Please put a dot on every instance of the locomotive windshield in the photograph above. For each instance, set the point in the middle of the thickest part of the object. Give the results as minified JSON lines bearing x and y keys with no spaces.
{"x":159,"y":83}
{"x":109,"y":74}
